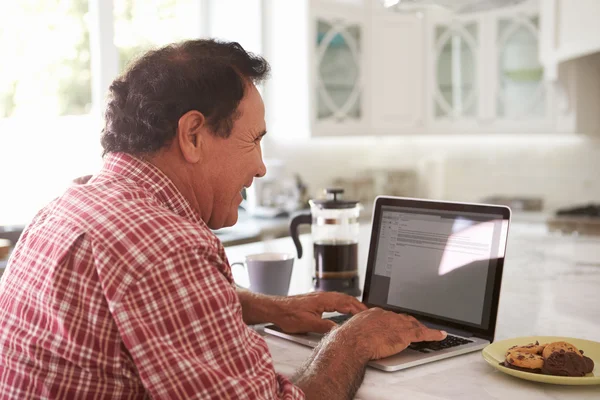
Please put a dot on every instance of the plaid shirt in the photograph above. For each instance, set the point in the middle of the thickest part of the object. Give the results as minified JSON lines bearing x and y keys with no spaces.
{"x":118,"y":290}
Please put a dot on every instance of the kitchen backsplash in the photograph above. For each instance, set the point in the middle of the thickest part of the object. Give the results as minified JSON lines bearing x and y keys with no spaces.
{"x":559,"y":169}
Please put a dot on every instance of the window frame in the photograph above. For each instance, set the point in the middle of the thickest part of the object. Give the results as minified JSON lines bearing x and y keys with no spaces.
{"x":104,"y":52}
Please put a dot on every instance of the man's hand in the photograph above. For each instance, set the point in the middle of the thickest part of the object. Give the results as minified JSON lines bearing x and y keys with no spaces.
{"x":377,"y":333}
{"x":303,"y":313}
{"x":337,"y":366}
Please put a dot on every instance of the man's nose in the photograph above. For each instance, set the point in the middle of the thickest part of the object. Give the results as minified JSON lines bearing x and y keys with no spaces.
{"x":262,"y":171}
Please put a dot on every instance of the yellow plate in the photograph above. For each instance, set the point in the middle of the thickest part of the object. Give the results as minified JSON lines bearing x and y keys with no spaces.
{"x":495,"y":352}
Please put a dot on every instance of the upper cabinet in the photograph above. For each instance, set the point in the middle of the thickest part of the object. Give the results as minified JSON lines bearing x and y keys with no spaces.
{"x":454,"y":66}
{"x":570,"y":30}
{"x":520,"y":91}
{"x":338,"y":71}
{"x":355,"y":67}
{"x":485,"y":74}
{"x":570,"y":53}
{"x":521,"y":101}
{"x":338,"y":94}
{"x":397,"y":72}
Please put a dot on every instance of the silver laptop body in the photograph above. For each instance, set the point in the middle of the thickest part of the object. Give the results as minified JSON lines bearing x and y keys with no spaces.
{"x":440,"y":262}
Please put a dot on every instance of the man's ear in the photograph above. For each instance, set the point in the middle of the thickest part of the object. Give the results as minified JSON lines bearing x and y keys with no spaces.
{"x":189,"y":135}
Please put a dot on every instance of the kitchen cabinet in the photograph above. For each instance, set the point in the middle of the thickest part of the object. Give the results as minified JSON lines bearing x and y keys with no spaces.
{"x":349,"y":67}
{"x":578,"y":96}
{"x":455,"y":71}
{"x":570,"y":30}
{"x":570,"y":53}
{"x":517,"y":70}
{"x":397,"y":77}
{"x":485,"y":74}
{"x":354,"y":67}
{"x":368,"y":69}
{"x":338,"y":38}
{"x":521,"y":100}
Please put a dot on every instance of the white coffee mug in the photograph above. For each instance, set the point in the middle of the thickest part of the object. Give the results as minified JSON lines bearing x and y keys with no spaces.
{"x":269,"y":273}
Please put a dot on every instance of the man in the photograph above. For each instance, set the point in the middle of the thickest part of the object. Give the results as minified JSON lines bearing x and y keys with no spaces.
{"x":118,"y":289}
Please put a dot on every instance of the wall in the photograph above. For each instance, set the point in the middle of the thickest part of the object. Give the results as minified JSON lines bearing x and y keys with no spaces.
{"x":562,"y":169}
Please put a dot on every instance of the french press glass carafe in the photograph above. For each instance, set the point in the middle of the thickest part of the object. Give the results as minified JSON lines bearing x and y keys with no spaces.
{"x":335,"y":231}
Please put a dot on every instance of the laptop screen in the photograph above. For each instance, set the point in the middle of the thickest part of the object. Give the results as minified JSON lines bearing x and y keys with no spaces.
{"x":439,"y":263}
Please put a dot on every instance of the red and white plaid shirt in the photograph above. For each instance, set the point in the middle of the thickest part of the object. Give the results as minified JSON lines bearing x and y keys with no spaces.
{"x":118,"y":290}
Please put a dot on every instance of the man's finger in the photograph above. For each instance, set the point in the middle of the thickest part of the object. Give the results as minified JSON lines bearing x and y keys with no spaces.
{"x":423,"y":334}
{"x":355,"y":306}
{"x":349,"y":305}
{"x":352,"y":309}
{"x":341,"y":303}
{"x":322,"y":325}
{"x":338,"y":302}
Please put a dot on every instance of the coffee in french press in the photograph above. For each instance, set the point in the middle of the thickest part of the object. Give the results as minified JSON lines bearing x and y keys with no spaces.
{"x":335,"y":232}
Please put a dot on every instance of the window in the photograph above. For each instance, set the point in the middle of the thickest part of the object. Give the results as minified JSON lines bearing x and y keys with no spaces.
{"x":45,"y":100}
{"x":47,"y":43}
{"x":58,"y":58}
{"x":142,"y":24}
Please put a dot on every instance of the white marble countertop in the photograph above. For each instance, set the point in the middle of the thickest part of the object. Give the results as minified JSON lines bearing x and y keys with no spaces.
{"x":551,"y":287}
{"x":250,"y":229}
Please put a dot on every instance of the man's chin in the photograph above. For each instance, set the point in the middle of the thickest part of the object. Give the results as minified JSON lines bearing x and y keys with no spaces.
{"x":229,"y":220}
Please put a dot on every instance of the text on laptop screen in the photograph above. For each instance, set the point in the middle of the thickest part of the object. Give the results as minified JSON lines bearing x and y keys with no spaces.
{"x":437,"y":263}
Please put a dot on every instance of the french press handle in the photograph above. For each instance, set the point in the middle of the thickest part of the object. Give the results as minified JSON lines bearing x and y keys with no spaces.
{"x":299,"y":219}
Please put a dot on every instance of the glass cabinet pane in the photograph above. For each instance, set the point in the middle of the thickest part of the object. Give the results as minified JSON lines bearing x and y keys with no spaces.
{"x":338,"y":71}
{"x":456,"y":71}
{"x":520,"y":72}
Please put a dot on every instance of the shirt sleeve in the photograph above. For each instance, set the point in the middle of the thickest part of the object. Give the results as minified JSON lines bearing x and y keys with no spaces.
{"x":182,"y":324}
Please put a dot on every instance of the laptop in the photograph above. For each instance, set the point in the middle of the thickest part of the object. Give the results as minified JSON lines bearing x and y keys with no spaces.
{"x":438,"y":261}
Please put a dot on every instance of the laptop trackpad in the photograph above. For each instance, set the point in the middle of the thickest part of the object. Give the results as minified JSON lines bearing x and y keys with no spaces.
{"x":404,"y":357}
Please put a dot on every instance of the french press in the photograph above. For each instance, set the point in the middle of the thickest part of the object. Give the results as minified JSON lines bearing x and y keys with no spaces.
{"x":335,"y":232}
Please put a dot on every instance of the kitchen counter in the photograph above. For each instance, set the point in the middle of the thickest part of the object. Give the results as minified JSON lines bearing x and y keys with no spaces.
{"x":251,"y":229}
{"x":550,"y":287}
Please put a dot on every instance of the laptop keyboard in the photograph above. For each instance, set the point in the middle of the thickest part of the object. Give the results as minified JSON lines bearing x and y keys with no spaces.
{"x":450,"y":341}
{"x":423,"y":347}
{"x":340,"y":319}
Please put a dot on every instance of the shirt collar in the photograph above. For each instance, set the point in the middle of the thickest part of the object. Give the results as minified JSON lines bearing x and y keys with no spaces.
{"x":152,"y":179}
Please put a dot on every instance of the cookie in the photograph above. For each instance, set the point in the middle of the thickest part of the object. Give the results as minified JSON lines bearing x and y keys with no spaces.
{"x":558,"y":346}
{"x":589,"y":364}
{"x":531,"y":348}
{"x":524,"y":360}
{"x":565,"y":363}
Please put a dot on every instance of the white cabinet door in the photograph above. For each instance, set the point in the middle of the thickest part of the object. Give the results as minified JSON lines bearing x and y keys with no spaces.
{"x":338,"y":36}
{"x":519,"y":99}
{"x":455,"y":72}
{"x":397,"y":78}
{"x":485,"y":73}
{"x":570,"y":30}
